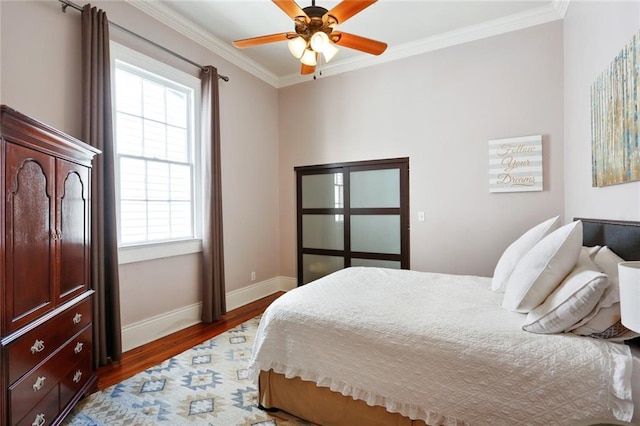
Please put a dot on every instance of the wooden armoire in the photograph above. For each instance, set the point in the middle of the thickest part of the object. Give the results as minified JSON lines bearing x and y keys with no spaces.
{"x":46,"y":310}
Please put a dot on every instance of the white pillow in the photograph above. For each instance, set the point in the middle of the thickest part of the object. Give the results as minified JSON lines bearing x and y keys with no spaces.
{"x":574,"y":298}
{"x":591,"y":251}
{"x":543,"y":268}
{"x":519,"y":248}
{"x":607,"y":261}
{"x":606,"y":325}
{"x":596,"y":324}
{"x":603,"y":322}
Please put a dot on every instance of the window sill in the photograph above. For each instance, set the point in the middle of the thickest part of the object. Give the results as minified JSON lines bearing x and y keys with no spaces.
{"x":145,"y":252}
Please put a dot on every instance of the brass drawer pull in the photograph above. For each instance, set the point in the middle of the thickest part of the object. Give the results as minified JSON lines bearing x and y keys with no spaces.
{"x":77,"y":319}
{"x":77,"y":376}
{"x":39,"y":421}
{"x":38,"y":346}
{"x":39,"y":383}
{"x":78,"y":348}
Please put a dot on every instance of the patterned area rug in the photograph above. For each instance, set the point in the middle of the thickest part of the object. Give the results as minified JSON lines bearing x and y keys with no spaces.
{"x":206,"y":385}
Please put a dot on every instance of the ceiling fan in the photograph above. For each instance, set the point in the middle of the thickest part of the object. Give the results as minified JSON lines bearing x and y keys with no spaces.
{"x":315,"y":32}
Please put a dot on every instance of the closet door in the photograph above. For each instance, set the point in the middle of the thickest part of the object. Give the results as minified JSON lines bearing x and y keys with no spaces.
{"x":29,"y":235}
{"x":376,"y":221}
{"x":321,"y":221}
{"x":352,"y":214}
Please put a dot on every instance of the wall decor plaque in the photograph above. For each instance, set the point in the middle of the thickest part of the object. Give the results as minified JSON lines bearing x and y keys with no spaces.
{"x":515,"y":164}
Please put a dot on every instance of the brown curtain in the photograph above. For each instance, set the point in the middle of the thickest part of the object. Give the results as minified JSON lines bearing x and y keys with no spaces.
{"x":213,"y":290}
{"x":97,"y":130}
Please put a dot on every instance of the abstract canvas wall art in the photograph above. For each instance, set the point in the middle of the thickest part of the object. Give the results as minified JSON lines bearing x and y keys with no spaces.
{"x":615,"y":147}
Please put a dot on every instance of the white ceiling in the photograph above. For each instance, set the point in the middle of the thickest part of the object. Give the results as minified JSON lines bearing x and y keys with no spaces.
{"x":409,"y":27}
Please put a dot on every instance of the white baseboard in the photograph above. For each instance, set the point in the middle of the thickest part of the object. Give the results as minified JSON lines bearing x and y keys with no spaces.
{"x":245,"y":295}
{"x":150,"y":329}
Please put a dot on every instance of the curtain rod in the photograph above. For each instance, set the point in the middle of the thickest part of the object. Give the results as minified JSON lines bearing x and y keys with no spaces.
{"x":68,"y":3}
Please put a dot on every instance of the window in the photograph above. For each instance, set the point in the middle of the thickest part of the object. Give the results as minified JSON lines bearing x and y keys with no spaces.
{"x":156,"y":150}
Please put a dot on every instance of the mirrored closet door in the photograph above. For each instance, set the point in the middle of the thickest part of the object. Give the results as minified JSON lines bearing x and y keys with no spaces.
{"x":352,"y":214}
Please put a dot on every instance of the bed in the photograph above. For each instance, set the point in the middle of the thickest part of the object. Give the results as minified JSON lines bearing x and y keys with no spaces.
{"x":333,"y":353}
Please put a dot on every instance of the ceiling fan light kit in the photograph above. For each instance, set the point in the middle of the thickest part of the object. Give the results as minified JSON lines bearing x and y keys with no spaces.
{"x":319,"y":40}
{"x":314,"y":32}
{"x":297,"y":46}
{"x":309,"y":58}
{"x":329,"y":52}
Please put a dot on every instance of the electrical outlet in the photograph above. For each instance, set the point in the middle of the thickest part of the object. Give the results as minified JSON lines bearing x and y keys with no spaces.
{"x":253,"y":276}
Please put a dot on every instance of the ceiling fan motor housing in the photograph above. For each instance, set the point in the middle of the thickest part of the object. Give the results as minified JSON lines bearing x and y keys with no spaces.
{"x":315,"y":11}
{"x":315,"y":22}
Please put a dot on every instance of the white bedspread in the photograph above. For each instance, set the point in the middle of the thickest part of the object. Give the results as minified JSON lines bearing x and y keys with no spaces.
{"x":439,"y":348}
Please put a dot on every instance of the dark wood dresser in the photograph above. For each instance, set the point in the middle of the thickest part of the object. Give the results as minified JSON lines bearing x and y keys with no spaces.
{"x":46,"y":309}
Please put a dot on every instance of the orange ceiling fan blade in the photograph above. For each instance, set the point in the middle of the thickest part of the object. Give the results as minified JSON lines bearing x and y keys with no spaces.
{"x":290,"y":7}
{"x":306,"y":69}
{"x":256,"y":41}
{"x":363,"y":44}
{"x":348,"y":8}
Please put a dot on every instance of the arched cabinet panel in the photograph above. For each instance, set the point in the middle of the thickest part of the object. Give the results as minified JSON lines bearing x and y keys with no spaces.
{"x":29,"y":244}
{"x":46,"y":299}
{"x":73,"y":236}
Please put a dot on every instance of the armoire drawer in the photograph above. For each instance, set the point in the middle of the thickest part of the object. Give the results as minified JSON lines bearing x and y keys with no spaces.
{"x":79,"y":347}
{"x":44,"y":412}
{"x":60,"y":369}
{"x":36,"y":345}
{"x":32,"y":388}
{"x":75,"y":379}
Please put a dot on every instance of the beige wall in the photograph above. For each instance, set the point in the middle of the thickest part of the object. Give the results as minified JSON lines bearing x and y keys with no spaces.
{"x":40,"y":76}
{"x":595,"y":32}
{"x":440,"y":109}
{"x":40,"y":62}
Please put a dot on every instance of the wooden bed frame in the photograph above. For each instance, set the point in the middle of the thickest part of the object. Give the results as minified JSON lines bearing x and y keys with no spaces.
{"x":322,"y":406}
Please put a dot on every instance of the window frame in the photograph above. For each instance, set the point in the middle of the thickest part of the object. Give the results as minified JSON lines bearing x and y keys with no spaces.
{"x":129,"y":253}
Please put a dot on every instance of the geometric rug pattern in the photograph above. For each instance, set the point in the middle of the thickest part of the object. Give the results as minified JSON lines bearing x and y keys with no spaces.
{"x":205,"y":385}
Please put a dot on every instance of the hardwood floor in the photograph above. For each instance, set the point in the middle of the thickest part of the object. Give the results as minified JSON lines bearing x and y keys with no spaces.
{"x":146,"y":356}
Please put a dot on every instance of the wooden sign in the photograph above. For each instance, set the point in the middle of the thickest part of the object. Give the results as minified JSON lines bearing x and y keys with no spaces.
{"x":515,"y":164}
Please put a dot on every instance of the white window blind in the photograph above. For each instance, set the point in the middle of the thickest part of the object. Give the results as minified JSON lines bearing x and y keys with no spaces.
{"x":155,"y":157}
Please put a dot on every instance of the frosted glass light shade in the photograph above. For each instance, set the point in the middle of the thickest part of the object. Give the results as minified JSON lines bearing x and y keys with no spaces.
{"x":309,"y":58}
{"x":297,"y":46}
{"x":329,"y":52}
{"x":319,"y":41}
{"x":629,"y":275}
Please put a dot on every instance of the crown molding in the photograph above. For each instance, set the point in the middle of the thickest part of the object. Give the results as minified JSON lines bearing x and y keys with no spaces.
{"x":530,"y":18}
{"x":203,"y":38}
{"x":553,"y":11}
{"x":561,"y":6}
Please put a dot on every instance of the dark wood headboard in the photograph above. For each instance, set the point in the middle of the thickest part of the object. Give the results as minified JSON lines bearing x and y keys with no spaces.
{"x":623,"y":237}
